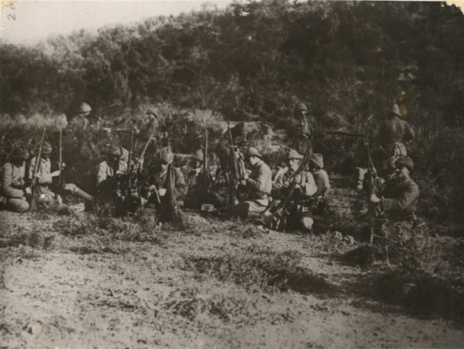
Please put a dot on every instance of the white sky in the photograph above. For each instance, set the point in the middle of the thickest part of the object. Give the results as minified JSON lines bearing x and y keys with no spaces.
{"x":32,"y":20}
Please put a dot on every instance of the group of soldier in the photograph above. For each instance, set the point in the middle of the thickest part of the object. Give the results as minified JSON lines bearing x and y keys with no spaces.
{"x":238,"y":184}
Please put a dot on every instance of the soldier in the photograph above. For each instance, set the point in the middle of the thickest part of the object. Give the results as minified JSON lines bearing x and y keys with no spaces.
{"x":109,"y":173}
{"x":257,"y":187}
{"x":45,"y":178}
{"x":401,"y":193}
{"x":300,"y":215}
{"x":392,"y":134}
{"x":81,"y":120}
{"x":165,"y":188}
{"x":316,"y":165}
{"x":13,"y":181}
{"x":302,"y":134}
{"x":193,"y":174}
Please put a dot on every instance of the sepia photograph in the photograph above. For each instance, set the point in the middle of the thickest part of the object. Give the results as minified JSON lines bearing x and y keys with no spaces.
{"x":231,"y":174}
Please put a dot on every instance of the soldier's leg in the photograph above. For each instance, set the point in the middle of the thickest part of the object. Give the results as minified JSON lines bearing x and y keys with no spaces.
{"x":17,"y":205}
{"x":47,"y":197}
{"x":255,"y":209}
{"x":74,"y":190}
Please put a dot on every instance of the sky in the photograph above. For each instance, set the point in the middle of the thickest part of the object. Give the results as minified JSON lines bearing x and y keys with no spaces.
{"x":28,"y":21}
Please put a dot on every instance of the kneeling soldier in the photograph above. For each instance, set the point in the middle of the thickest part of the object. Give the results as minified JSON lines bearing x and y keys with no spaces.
{"x":401,"y":193}
{"x":165,"y":189}
{"x":13,"y":181}
{"x":257,"y":187}
{"x":109,"y":172}
{"x":45,"y":178}
{"x":299,"y":215}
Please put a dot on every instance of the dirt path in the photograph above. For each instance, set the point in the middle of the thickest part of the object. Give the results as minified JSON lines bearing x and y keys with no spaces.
{"x":222,"y":286}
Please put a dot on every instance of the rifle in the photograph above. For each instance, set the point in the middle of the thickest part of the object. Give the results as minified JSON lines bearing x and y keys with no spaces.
{"x":60,"y":161}
{"x":35,"y":185}
{"x":281,"y":211}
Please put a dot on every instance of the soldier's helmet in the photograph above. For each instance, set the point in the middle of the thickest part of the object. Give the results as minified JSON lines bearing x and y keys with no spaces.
{"x":46,"y":148}
{"x":114,"y":150}
{"x":293,"y":154}
{"x":20,"y":153}
{"x":198,"y":155}
{"x":84,"y":108}
{"x":405,"y":161}
{"x":252,"y":151}
{"x":317,"y":159}
{"x":301,"y":107}
{"x":165,"y":155}
{"x":395,"y":109}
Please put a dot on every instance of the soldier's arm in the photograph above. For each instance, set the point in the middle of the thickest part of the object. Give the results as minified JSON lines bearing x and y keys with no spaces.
{"x":258,"y":183}
{"x":410,"y":193}
{"x":7,"y":182}
{"x":309,"y":186}
{"x":102,"y":173}
{"x":408,"y":133}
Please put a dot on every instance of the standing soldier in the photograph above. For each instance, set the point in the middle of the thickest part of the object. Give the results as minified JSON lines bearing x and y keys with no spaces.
{"x":302,"y":134}
{"x":80,"y":121}
{"x":45,"y":178}
{"x":164,"y":189}
{"x":300,"y":215}
{"x":13,"y":181}
{"x":257,"y":187}
{"x":392,"y":134}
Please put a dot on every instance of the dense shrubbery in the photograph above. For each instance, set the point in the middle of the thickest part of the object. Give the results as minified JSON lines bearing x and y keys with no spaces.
{"x":253,"y":61}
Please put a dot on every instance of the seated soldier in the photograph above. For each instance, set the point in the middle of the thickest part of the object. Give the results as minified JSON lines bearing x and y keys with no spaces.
{"x":109,"y":173}
{"x":13,"y":181}
{"x":399,"y":199}
{"x":193,"y":173}
{"x":299,"y":211}
{"x":165,"y":189}
{"x":45,"y":178}
{"x":316,"y":165}
{"x":257,"y":188}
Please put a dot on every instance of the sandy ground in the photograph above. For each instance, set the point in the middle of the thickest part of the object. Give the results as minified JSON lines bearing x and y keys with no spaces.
{"x":73,"y":292}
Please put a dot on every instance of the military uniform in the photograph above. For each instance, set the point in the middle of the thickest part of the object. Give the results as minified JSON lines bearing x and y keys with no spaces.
{"x":258,"y":189}
{"x":392,"y":134}
{"x":45,"y":179}
{"x":301,"y":133}
{"x":299,"y":213}
{"x":320,"y":175}
{"x":12,"y":175}
{"x":160,"y":200}
{"x":400,"y":195}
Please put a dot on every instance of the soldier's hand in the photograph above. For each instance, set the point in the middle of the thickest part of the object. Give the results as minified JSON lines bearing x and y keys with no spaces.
{"x":297,"y":178}
{"x":63,"y":165}
{"x":245,"y":176}
{"x":28,"y":191}
{"x":55,"y":174}
{"x":375,"y":199}
{"x":152,"y":187}
{"x":243,"y":182}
